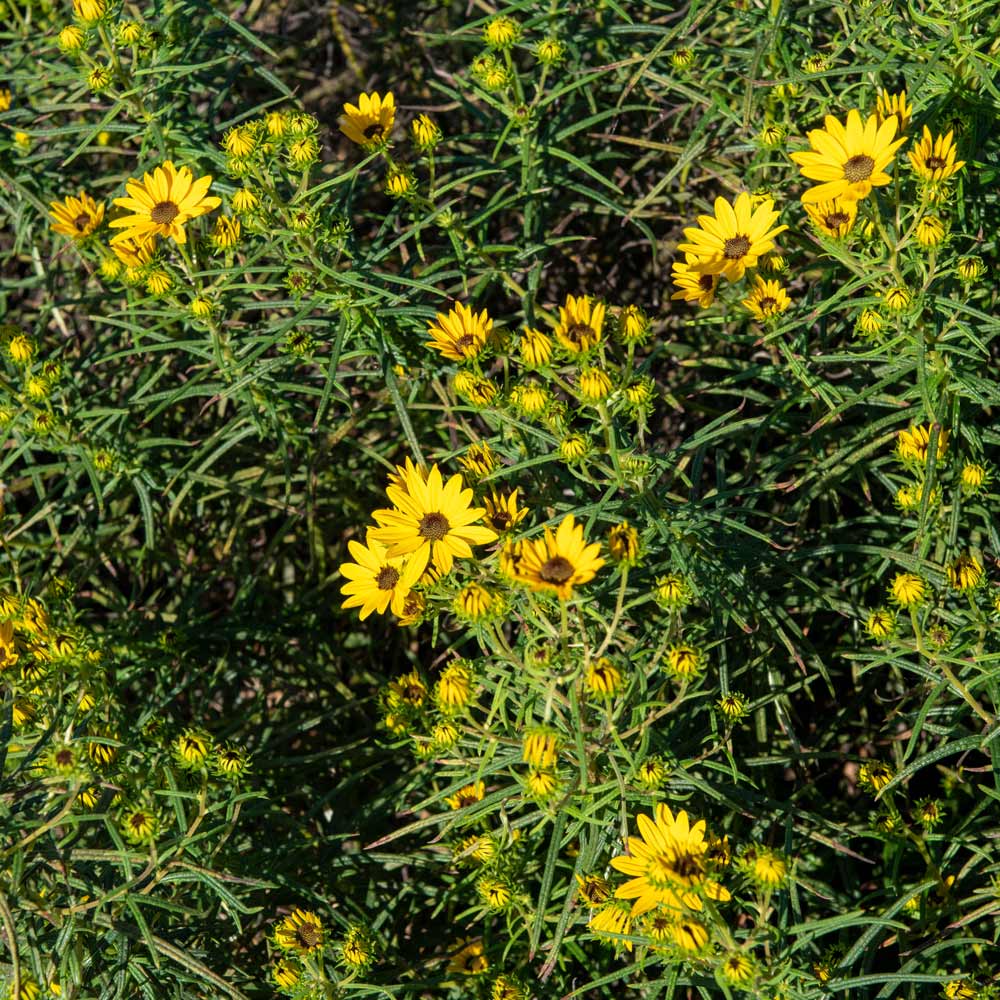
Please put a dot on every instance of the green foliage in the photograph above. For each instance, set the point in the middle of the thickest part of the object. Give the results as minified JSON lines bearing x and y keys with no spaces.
{"x":217,"y":781}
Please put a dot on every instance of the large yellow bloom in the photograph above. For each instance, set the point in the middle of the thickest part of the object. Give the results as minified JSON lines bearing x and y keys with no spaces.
{"x":833,"y":218}
{"x":370,"y":121}
{"x":431,"y":518}
{"x":933,"y":158}
{"x":76,"y":217}
{"x":667,"y":863}
{"x":460,"y":335}
{"x":560,"y":560}
{"x":162,"y":202}
{"x":376,"y":582}
{"x":580,"y":324}
{"x":731,"y":241}
{"x":849,"y":159}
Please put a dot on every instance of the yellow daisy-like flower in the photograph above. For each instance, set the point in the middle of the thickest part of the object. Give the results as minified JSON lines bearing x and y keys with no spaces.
{"x":535,"y":348}
{"x":930,"y":231}
{"x":767,"y":299}
{"x":284,"y":973}
{"x":689,"y":935}
{"x":623,"y":543}
{"x":908,"y":589}
{"x":593,"y":889}
{"x":684,"y":662}
{"x":848,"y":159}
{"x":376,"y":581}
{"x":693,"y":285}
{"x":965,"y":573}
{"x":89,"y":10}
{"x":974,"y":476}
{"x":612,"y":919}
{"x":369,"y":122}
{"x":134,"y":252}
{"x":912,"y":443}
{"x":301,"y":931}
{"x":732,"y":240}
{"x":76,"y":217}
{"x":880,"y":623}
{"x":468,"y":795}
{"x":594,"y":385}
{"x":559,"y":561}
{"x":580,"y":325}
{"x":603,"y":678}
{"x":162,"y":202}
{"x":431,"y":519}
{"x":540,"y":748}
{"x":460,"y":335}
{"x":667,"y":864}
{"x":541,"y":783}
{"x":874,"y":775}
{"x":425,"y":132}
{"x":470,"y":959}
{"x":474,"y":602}
{"x":453,"y":690}
{"x":889,"y":105}
{"x":933,"y":157}
{"x":479,"y":460}
{"x":502,"y":512}
{"x":500,"y":32}
{"x":833,"y":218}
{"x":767,"y":868}
{"x":226,"y":233}
{"x":737,"y":968}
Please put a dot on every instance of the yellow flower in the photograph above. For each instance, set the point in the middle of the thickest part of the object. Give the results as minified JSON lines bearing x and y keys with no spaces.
{"x":467,"y":796}
{"x":871,"y":322}
{"x":375,"y":580}
{"x":880,"y":623}
{"x":974,"y":476}
{"x":623,"y":543}
{"x":301,"y":932}
{"x":550,"y":51}
{"x":889,"y":105}
{"x":474,"y":602}
{"x":960,"y":989}
{"x":70,"y":40}
{"x":22,"y":140}
{"x":502,"y":511}
{"x":21,"y":349}
{"x":541,"y":783}
{"x":500,"y":32}
{"x":540,"y":748}
{"x":573,"y":447}
{"x":470,"y":959}
{"x":833,"y":218}
{"x":933,"y":157}
{"x":226,"y":233}
{"x":494,"y":892}
{"x":965,"y":573}
{"x":732,"y":240}
{"x":580,"y":324}
{"x":399,"y":183}
{"x":240,"y":141}
{"x":689,"y":935}
{"x":134,"y":253}
{"x":897,"y":298}
{"x":733,"y":706}
{"x":357,"y":950}
{"x":303,"y":152}
{"x":201,"y":308}
{"x":139,"y":825}
{"x":912,"y":443}
{"x":767,"y":868}
{"x":633,"y":325}
{"x":614,"y":918}
{"x":849,"y":160}
{"x":672,"y":591}
{"x":277,"y":124}
{"x":737,"y":968}
{"x":8,"y":650}
{"x":284,"y":973}
{"x":667,"y":864}
{"x":930,"y":231}
{"x":908,"y":589}
{"x":874,"y":775}
{"x":603,"y":678}
{"x":191,"y":748}
{"x":89,"y":10}
{"x":970,"y":268}
{"x":560,"y":560}
{"x":693,"y":284}
{"x":684,"y":662}
{"x":162,"y":202}
{"x":425,"y":132}
{"x":767,"y":299}
{"x":535,"y":348}
{"x":460,"y":335}
{"x":230,"y":762}
{"x":595,"y":385}
{"x":771,"y":135}
{"x":158,"y":282}
{"x":76,"y":217}
{"x":477,"y":390}
{"x":431,"y":519}
{"x":479,"y":460}
{"x":244,"y":201}
{"x":593,"y":889}
{"x":369,"y":122}
{"x":407,"y":690}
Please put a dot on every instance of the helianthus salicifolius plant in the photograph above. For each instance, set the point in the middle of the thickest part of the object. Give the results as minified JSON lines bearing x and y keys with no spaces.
{"x":162,"y":203}
{"x":376,"y":581}
{"x":848,"y":158}
{"x":581,"y":323}
{"x":559,"y":561}
{"x":369,"y":122}
{"x":460,"y":335}
{"x":76,"y":217}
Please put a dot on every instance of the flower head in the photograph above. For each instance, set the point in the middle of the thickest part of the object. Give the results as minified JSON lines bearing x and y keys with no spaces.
{"x":162,"y":202}
{"x":833,"y":218}
{"x":300,"y":932}
{"x":894,"y":105}
{"x":502,"y":511}
{"x":460,"y":335}
{"x":76,"y":217}
{"x":880,"y":624}
{"x":965,"y":573}
{"x":580,"y":324}
{"x":930,"y":231}
{"x":467,"y":796}
{"x":768,"y":299}
{"x":731,"y":241}
{"x":913,"y":442}
{"x":375,"y":580}
{"x":559,"y":561}
{"x":848,"y":159}
{"x":933,"y":157}
{"x":369,"y":122}
{"x":500,"y":32}
{"x":623,"y":543}
{"x":693,"y":284}
{"x":425,"y":132}
{"x":908,"y":589}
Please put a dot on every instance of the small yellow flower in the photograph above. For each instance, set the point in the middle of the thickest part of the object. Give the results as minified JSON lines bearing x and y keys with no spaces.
{"x":502,"y":511}
{"x":76,"y":217}
{"x":470,"y":959}
{"x":550,"y":51}
{"x":580,"y":325}
{"x":407,"y":690}
{"x":21,"y":349}
{"x":672,"y":591}
{"x":285,"y":973}
{"x":541,"y":784}
{"x":461,"y":334}
{"x":965,"y":573}
{"x":158,"y":281}
{"x":933,"y":157}
{"x":765,"y":867}
{"x":226,"y":233}
{"x":369,"y":122}
{"x":833,"y":218}
{"x":573,"y":448}
{"x":479,"y":460}
{"x":897,"y":298}
{"x":139,"y":825}
{"x":240,"y":141}
{"x":474,"y":603}
{"x":303,"y":153}
{"x":530,"y":399}
{"x":871,"y":322}
{"x":623,"y":543}
{"x":23,"y":141}
{"x":889,"y":105}
{"x":399,"y":183}
{"x":693,"y":284}
{"x":357,"y":949}
{"x":425,"y":133}
{"x":960,"y":989}
{"x":633,"y":325}
{"x":651,"y":773}
{"x":737,"y":968}
{"x":593,"y":889}
{"x":494,"y":892}
{"x":191,"y":748}
{"x":930,"y":231}
{"x":506,"y":988}
{"x":880,"y":623}
{"x":535,"y":348}
{"x":134,"y":253}
{"x":974,"y":477}
{"x":733,"y":706}
{"x":908,"y":589}
{"x":874,"y":775}
{"x":603,"y":679}
{"x":971,"y":268}
{"x":467,"y":796}
{"x":681,"y":58}
{"x":768,"y":299}
{"x":771,"y":135}
{"x":500,"y":32}
{"x":70,"y":40}
{"x":300,"y":932}
{"x":477,"y":390}
{"x":277,"y":124}
{"x":89,"y":11}
{"x":595,"y":385}
{"x":540,"y":748}
{"x":245,"y":201}
{"x":559,"y":561}
{"x":201,"y":308}
{"x":912,"y":443}
{"x":231,"y":762}
{"x":684,"y":662}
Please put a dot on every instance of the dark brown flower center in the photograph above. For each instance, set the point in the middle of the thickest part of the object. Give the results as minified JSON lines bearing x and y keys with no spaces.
{"x":374,"y":131}
{"x":580,"y":333}
{"x":81,"y":221}
{"x":64,"y":758}
{"x":500,"y":520}
{"x":387,"y":578}
{"x":837,"y":219}
{"x":736,"y":247}
{"x":137,"y":821}
{"x":556,"y":570}
{"x":465,"y":342}
{"x":858,"y":168}
{"x":767,"y":302}
{"x":936,"y":162}
{"x":164,"y":212}
{"x":434,"y":526}
{"x":706,"y":282}
{"x":308,"y":935}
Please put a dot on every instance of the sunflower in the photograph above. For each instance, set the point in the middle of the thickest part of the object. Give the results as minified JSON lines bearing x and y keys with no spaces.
{"x":301,"y":931}
{"x":133,"y":251}
{"x":848,"y":159}
{"x":560,"y":560}
{"x":833,"y":218}
{"x":767,"y":299}
{"x":369,"y":123}
{"x":731,"y":241}
{"x":431,"y":519}
{"x":693,"y":285}
{"x":667,"y":863}
{"x":580,"y":324}
{"x":376,"y":581}
{"x":894,"y":105}
{"x":502,"y":512}
{"x":76,"y":217}
{"x":933,"y":157}
{"x":460,"y":335}
{"x":162,"y":202}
